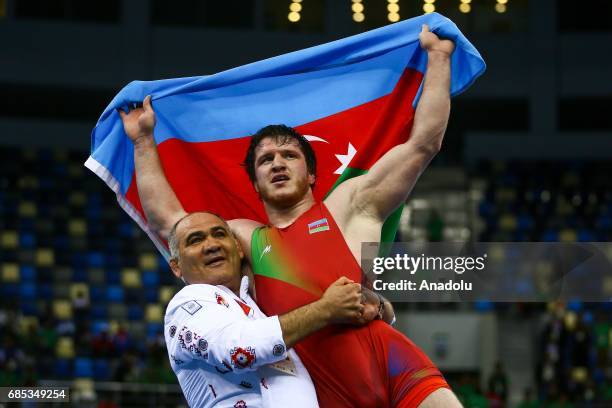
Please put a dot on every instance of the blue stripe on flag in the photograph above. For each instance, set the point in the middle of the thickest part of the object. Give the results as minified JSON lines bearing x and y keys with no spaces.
{"x":294,"y":89}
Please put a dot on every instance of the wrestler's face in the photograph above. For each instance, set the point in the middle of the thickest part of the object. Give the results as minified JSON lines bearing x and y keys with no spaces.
{"x":282,"y":177}
{"x":208,"y":252}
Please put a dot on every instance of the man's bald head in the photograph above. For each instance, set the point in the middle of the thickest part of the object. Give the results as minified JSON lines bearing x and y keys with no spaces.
{"x":204,"y":251}
{"x":173,"y":243}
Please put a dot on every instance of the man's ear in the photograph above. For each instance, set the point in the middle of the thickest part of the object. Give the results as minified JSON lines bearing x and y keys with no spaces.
{"x":238,"y":246}
{"x":176,"y":269}
{"x":311,"y":179}
{"x":255,"y":187}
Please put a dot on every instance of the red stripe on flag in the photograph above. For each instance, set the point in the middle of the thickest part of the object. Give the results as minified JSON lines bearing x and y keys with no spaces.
{"x":372,"y":128}
{"x":209,"y":175}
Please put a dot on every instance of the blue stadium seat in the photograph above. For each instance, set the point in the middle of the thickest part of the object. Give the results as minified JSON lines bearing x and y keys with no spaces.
{"x":585,"y":235}
{"x":114,"y":293}
{"x":45,"y":292}
{"x":112,"y":245}
{"x":27,"y":240}
{"x":27,"y":291}
{"x":151,"y":295}
{"x":483,"y":305}
{"x":524,"y":222}
{"x":550,"y":236}
{"x":27,"y":273}
{"x":63,"y":368}
{"x":79,"y":275}
{"x":46,"y":183}
{"x":154,"y":329}
{"x":79,"y":260}
{"x":83,"y":367}
{"x":29,"y":308}
{"x":95,"y":198}
{"x":97,"y":293}
{"x":112,"y":260}
{"x":99,"y":326}
{"x":574,"y":305}
{"x":99,"y":312}
{"x":93,"y":213}
{"x":135,"y":312}
{"x":486,"y":209}
{"x":58,"y":169}
{"x":95,"y":259}
{"x":150,"y":279}
{"x":525,"y":287}
{"x":113,"y":276}
{"x":125,"y":230}
{"x":9,"y":290}
{"x":599,"y":376}
{"x":604,"y":222}
{"x":101,"y":370}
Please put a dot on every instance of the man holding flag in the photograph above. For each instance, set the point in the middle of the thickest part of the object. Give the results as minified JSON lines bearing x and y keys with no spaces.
{"x":309,"y":242}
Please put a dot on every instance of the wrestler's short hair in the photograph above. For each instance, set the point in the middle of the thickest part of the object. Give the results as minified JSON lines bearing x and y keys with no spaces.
{"x":173,"y":243}
{"x":282,"y":134}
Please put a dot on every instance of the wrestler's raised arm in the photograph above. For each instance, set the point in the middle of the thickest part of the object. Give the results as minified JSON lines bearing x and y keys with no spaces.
{"x":387,"y":185}
{"x":161,"y":206}
{"x":159,"y":201}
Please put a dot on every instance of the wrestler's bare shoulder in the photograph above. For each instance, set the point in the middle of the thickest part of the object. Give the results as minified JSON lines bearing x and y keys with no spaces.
{"x":355,"y":223}
{"x":340,"y":202}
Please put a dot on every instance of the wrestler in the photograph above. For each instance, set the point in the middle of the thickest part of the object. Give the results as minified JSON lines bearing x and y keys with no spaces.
{"x":369,"y":366}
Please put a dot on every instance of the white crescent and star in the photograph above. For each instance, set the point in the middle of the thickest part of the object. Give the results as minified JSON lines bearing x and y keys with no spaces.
{"x":344,"y":159}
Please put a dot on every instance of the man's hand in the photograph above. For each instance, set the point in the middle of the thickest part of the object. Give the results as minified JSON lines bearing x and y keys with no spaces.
{"x":342,"y":302}
{"x":139,"y":122}
{"x":430,"y":42}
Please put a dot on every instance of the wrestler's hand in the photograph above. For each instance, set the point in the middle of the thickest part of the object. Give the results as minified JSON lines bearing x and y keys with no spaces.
{"x":139,"y":122}
{"x":430,"y":42}
{"x":341,"y":302}
{"x":371,"y":305}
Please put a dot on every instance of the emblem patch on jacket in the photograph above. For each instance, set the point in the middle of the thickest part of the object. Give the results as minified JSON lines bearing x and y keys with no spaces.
{"x":191,"y":307}
{"x":242,"y":357}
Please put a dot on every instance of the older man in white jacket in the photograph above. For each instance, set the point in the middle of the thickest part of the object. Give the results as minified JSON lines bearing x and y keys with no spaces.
{"x":224,"y":350}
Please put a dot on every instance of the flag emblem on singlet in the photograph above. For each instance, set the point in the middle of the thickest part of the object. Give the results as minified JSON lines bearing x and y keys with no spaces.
{"x":318,"y":226}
